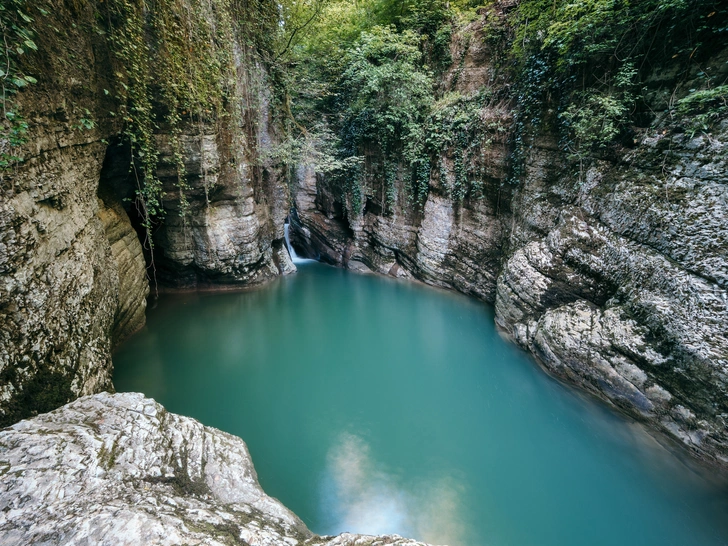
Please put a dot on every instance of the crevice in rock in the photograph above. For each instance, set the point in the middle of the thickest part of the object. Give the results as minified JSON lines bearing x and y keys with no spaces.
{"x":122,"y":224}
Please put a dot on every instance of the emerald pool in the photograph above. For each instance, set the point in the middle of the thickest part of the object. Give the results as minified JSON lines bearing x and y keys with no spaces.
{"x":381,"y":406}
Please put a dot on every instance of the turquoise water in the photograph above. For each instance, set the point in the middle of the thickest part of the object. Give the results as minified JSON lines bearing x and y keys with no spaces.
{"x":379,"y":406}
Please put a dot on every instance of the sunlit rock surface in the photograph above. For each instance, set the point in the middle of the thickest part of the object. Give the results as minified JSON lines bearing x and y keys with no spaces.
{"x":119,"y":469}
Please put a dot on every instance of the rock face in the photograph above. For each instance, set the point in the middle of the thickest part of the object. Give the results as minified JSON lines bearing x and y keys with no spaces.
{"x":119,"y":469}
{"x":232,"y":229}
{"x":60,"y":282}
{"x":625,"y":291}
{"x":73,"y":271}
{"x":126,"y":250}
{"x":614,"y":278}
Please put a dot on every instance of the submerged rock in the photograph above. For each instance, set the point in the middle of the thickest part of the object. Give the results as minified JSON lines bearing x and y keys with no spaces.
{"x":120,"y":469}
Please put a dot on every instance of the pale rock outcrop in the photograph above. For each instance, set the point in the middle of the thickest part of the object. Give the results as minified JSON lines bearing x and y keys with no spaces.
{"x":119,"y":469}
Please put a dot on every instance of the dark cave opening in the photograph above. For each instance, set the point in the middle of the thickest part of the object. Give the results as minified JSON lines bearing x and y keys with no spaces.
{"x":118,"y":185}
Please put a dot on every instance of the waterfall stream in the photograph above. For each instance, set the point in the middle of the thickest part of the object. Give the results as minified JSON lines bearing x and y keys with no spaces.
{"x":294,"y":257}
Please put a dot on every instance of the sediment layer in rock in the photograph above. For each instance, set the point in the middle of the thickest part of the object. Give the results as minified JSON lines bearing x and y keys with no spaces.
{"x":614,"y":276}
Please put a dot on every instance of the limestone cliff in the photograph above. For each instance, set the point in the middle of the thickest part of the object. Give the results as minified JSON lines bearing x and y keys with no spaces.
{"x":75,"y":256}
{"x":614,"y":277}
{"x":119,"y":469}
{"x":60,"y":282}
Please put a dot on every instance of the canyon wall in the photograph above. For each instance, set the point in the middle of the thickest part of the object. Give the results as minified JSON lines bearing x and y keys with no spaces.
{"x":75,"y":259}
{"x":613,"y":275}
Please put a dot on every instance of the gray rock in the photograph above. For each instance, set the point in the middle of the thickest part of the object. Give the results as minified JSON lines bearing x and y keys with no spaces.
{"x":73,"y":276}
{"x":614,"y":275}
{"x":120,"y":469}
{"x":131,"y":268}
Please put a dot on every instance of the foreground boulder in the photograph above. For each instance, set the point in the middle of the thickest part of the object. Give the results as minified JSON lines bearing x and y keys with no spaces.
{"x":119,"y":469}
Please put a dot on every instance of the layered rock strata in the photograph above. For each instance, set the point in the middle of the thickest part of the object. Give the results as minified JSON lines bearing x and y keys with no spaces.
{"x":119,"y":469}
{"x":59,"y":280}
{"x":74,"y":257}
{"x":235,"y":203}
{"x":615,"y":277}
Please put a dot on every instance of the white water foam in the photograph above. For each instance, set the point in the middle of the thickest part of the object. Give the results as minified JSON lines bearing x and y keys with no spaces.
{"x":291,"y":251}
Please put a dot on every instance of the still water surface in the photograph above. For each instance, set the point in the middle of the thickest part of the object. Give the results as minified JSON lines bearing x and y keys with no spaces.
{"x":378,"y":406}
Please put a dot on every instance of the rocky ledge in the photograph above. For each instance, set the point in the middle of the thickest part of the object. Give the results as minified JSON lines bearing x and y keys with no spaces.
{"x":120,"y":469}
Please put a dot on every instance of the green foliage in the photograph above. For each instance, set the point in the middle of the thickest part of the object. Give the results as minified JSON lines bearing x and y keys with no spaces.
{"x":704,"y":107}
{"x":355,"y":82}
{"x":383,"y":97}
{"x":369,"y":68}
{"x":589,"y":31}
{"x":174,"y":52}
{"x":296,"y":17}
{"x":594,"y":119}
{"x":386,"y":92}
{"x":15,"y":131}
{"x":175,"y":63}
{"x":584,"y":61}
{"x":459,"y":128}
{"x":17,"y":39}
{"x":390,"y":109}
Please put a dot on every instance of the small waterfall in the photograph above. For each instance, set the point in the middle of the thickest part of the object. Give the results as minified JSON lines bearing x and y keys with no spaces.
{"x":294,"y":257}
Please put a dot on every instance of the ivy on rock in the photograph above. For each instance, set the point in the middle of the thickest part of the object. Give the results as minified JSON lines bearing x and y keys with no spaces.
{"x":18,"y":38}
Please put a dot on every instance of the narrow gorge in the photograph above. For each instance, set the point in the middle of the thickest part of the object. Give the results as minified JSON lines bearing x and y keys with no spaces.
{"x":566,"y":165}
{"x":613,"y":276}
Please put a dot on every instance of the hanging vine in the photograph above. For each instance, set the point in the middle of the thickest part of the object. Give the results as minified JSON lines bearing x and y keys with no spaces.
{"x":16,"y":28}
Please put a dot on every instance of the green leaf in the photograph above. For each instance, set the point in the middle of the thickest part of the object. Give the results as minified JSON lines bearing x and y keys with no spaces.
{"x":30,"y":79}
{"x":31,"y":45}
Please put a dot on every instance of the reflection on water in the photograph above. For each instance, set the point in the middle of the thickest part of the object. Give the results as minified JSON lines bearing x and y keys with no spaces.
{"x":360,"y":496}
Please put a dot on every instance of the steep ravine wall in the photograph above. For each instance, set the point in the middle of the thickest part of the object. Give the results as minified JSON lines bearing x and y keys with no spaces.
{"x":73,"y":274}
{"x":615,"y":278}
{"x":60,"y":281}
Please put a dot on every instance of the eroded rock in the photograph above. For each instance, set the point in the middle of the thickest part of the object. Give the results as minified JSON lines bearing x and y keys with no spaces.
{"x":119,"y":469}
{"x":612,"y":273}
